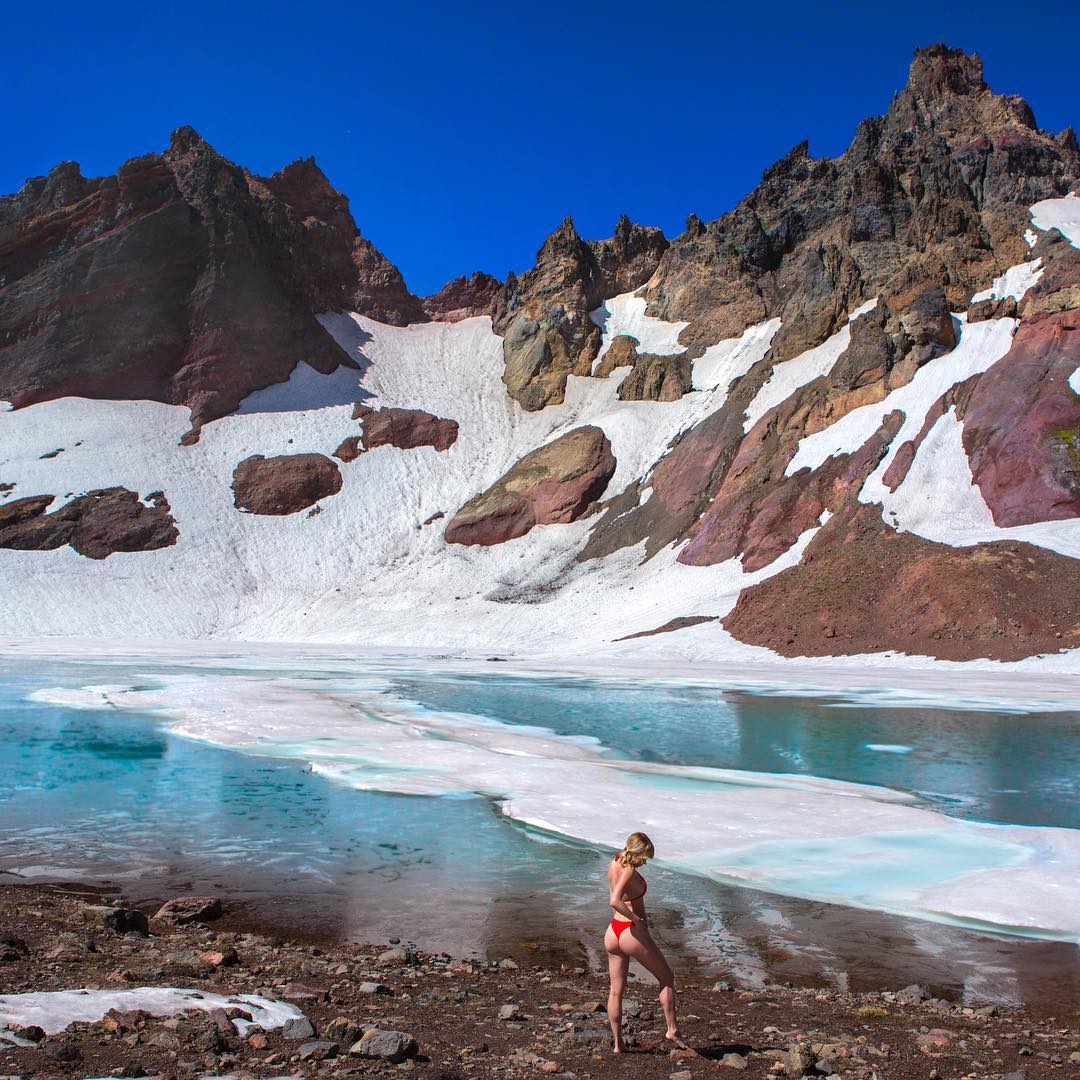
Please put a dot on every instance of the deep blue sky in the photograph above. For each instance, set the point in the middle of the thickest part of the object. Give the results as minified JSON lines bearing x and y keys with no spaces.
{"x":463,"y":133}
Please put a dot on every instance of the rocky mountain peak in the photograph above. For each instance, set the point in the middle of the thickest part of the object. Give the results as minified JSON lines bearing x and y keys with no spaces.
{"x":937,"y":71}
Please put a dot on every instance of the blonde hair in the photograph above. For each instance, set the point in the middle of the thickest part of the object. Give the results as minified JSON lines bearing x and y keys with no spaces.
{"x":637,"y":849}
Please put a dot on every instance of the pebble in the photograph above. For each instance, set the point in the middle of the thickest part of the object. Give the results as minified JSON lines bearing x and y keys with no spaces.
{"x":374,"y":988}
{"x":734,"y":1061}
{"x":509,"y":1012}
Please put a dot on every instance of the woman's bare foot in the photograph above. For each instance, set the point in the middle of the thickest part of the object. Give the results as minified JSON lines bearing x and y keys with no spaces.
{"x":620,"y":1046}
{"x":679,"y":1042}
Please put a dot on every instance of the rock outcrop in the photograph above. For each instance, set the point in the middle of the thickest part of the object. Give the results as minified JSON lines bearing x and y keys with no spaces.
{"x":97,"y":524}
{"x":284,"y":485}
{"x":1022,"y":424}
{"x":182,"y":279}
{"x":464,"y":298}
{"x":935,"y":192}
{"x":651,"y":377}
{"x":863,"y":587}
{"x":554,"y":484}
{"x":544,"y":315}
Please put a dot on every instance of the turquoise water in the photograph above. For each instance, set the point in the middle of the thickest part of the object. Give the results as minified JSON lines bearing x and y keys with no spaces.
{"x":111,"y":798}
{"x":986,"y":766}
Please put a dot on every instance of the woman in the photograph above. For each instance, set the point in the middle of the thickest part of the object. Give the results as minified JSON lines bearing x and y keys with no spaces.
{"x":628,"y":938}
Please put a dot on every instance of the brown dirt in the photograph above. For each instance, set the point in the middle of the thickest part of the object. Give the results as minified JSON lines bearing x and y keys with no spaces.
{"x":863,"y":587}
{"x":452,"y":1009}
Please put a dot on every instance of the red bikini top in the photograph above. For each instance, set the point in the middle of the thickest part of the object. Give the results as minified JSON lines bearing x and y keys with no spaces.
{"x":644,"y":885}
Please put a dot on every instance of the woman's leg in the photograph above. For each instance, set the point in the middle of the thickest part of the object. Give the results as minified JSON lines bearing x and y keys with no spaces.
{"x":639,"y":945}
{"x":618,"y":965}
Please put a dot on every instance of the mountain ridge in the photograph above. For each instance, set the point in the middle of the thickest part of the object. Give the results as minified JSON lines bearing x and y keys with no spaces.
{"x":759,"y":384}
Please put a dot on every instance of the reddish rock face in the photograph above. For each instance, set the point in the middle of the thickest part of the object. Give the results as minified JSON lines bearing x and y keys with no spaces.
{"x":1022,"y":425}
{"x":97,"y":524}
{"x":406,"y":429}
{"x":464,"y":298}
{"x":284,"y":485}
{"x":758,"y":513}
{"x":181,"y":279}
{"x":861,"y":587}
{"x":554,"y":484}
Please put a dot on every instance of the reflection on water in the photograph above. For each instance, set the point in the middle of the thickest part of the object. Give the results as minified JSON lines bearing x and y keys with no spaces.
{"x":987,"y":766}
{"x":110,"y":797}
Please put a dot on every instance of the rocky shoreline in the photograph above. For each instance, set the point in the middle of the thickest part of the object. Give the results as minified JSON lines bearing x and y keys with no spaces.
{"x":341,"y":1009}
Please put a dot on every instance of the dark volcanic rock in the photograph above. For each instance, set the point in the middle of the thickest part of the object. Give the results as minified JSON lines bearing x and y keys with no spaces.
{"x":97,"y":524}
{"x":937,"y":190}
{"x":181,"y":279}
{"x":862,"y":587}
{"x":554,"y":484}
{"x":284,"y":485}
{"x":651,"y":377}
{"x":1022,"y":425}
{"x":463,"y":298}
{"x":406,"y":429}
{"x":544,"y":314}
{"x":680,"y":623}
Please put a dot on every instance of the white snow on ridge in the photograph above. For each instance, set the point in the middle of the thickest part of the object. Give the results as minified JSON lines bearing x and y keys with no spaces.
{"x":980,"y":346}
{"x":55,"y":1010}
{"x":940,"y":501}
{"x":1061,"y":214}
{"x":791,"y":375}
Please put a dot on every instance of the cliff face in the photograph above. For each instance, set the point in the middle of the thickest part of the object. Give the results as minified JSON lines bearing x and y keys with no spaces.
{"x":935,"y":191}
{"x":862,"y":378}
{"x":182,"y":279}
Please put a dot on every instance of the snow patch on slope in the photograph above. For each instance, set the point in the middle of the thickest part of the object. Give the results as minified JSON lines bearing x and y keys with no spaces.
{"x":625,"y":314}
{"x":1061,"y":214}
{"x":1014,"y":282}
{"x":795,"y":373}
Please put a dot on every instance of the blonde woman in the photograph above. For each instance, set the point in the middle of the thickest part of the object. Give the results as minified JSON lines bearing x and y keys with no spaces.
{"x":628,"y":938}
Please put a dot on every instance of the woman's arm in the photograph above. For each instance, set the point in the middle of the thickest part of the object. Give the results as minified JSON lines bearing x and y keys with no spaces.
{"x":618,"y":889}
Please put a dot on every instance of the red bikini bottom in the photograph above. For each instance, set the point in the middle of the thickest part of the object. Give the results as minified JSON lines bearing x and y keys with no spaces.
{"x":619,"y":925}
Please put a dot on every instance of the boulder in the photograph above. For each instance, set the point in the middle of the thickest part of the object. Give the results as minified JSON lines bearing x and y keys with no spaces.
{"x":97,"y":524}
{"x":184,"y":910}
{"x":554,"y":484}
{"x":405,"y":429}
{"x":284,"y":485}
{"x":392,"y":1046}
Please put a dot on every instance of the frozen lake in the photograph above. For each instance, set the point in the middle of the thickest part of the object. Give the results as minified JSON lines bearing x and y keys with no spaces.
{"x":858,"y":838}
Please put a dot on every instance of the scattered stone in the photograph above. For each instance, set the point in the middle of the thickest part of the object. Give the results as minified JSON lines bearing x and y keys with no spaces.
{"x":392,"y":1046}
{"x":122,"y":920}
{"x":798,"y":1060}
{"x":319,"y":1050}
{"x":374,"y":988}
{"x":184,"y":910}
{"x":509,"y":1012}
{"x":298,"y":1027}
{"x":735,"y":1061}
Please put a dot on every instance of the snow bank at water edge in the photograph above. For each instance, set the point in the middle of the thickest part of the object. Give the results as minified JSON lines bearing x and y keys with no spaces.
{"x":55,"y":1010}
